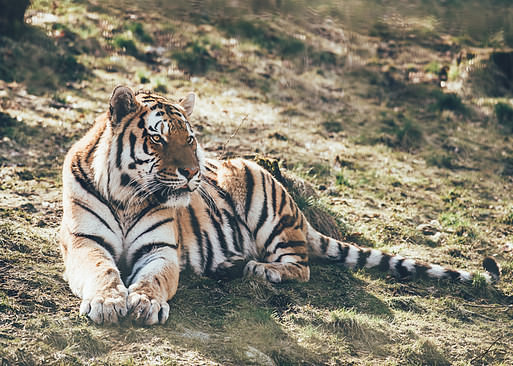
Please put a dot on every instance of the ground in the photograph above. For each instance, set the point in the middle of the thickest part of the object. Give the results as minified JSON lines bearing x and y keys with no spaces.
{"x":359,"y":113}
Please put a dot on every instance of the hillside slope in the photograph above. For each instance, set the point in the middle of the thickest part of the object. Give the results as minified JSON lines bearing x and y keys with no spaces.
{"x":402,"y":164}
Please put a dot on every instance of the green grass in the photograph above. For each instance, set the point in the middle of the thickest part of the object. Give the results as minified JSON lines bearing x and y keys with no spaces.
{"x":267,"y":37}
{"x":138,"y":30}
{"x":196,"y":57}
{"x":449,"y":102}
{"x":504,"y":114}
{"x":125,"y":44}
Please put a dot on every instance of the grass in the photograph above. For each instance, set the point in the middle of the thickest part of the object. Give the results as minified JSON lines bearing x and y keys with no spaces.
{"x":306,"y":92}
{"x":504,"y":114}
{"x":266,"y":37}
{"x":197,"y":57}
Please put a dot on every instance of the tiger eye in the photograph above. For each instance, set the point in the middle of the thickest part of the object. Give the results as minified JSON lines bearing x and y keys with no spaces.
{"x":155,"y":138}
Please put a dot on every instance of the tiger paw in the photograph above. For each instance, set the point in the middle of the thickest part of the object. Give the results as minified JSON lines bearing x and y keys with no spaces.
{"x":146,"y":310}
{"x":262,"y":270}
{"x":106,"y":307}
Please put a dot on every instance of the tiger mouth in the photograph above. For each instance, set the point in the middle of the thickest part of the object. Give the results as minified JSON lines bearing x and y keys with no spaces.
{"x":164,"y":194}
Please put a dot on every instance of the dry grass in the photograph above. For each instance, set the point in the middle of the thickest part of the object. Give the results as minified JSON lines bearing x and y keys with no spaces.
{"x":383,"y":154}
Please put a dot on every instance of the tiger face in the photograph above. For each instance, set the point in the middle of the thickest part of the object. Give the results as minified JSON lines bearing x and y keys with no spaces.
{"x":159,"y":155}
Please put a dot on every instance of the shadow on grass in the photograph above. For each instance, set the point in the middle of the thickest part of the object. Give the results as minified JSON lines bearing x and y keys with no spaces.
{"x":38,"y":149}
{"x":42,"y":63}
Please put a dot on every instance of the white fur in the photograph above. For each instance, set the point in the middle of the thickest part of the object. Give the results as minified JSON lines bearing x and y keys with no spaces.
{"x":374,"y":258}
{"x":352,"y":256}
{"x":409,"y":264}
{"x":436,"y":271}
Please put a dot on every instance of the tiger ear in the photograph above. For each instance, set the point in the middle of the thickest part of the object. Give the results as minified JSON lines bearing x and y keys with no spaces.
{"x":187,"y":103}
{"x":122,"y":102}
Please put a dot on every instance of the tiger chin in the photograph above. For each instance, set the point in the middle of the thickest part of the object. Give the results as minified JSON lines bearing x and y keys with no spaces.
{"x":141,"y":203}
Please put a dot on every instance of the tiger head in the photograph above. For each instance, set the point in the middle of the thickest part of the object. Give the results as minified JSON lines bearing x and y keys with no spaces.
{"x":156,"y":151}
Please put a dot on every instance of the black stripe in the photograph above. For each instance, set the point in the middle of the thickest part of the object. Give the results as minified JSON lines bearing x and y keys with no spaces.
{"x":455,"y":275}
{"x":285,"y":222}
{"x":283,"y":201}
{"x":421,"y":269}
{"x":120,"y":148}
{"x":343,"y":251}
{"x":401,"y":270}
{"x":100,"y":241}
{"x":220,"y":234}
{"x":210,"y":203}
{"x":145,"y":249}
{"x":196,"y":229}
{"x":153,"y":227}
{"x":120,"y":140}
{"x":263,"y":213}
{"x":139,"y":216}
{"x":300,"y":255}
{"x":209,"y":169}
{"x":84,"y":181}
{"x":273,"y":194}
{"x":362,"y":258}
{"x":93,"y":213}
{"x":210,"y":254}
{"x":250,"y":185}
{"x":298,"y":264}
{"x":290,"y":244}
{"x":236,"y":233}
{"x":324,"y":244}
{"x":133,"y":140}
{"x":384,"y":264}
{"x":228,"y":199}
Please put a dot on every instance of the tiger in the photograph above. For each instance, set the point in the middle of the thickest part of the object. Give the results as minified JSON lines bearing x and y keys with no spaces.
{"x":141,"y":202}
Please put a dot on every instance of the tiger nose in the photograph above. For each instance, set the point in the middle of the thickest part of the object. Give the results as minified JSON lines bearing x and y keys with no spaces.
{"x":188,"y":172}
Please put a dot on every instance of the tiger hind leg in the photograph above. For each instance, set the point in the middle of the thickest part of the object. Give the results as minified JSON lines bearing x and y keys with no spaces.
{"x":287,"y":261}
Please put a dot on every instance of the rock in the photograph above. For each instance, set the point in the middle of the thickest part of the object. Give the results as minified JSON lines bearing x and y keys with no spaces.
{"x":258,"y":357}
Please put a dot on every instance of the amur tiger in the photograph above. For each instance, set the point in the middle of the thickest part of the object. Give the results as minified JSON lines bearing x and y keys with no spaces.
{"x":142,"y":202}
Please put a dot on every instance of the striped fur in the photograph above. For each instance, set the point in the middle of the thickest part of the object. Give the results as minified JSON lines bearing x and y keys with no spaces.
{"x":141,"y":202}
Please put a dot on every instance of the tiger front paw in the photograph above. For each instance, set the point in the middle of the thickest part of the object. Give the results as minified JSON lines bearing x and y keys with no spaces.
{"x":106,"y":307}
{"x":146,"y":310}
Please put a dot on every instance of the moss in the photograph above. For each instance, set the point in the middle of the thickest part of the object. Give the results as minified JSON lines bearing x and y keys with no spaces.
{"x":265,"y":36}
{"x":138,"y":30}
{"x":332,"y":126}
{"x":125,"y":44}
{"x":196,"y":57}
{"x":449,"y":101}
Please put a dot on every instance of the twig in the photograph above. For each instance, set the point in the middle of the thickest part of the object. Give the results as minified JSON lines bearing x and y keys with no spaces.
{"x":480,"y":356}
{"x":233,"y":135}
